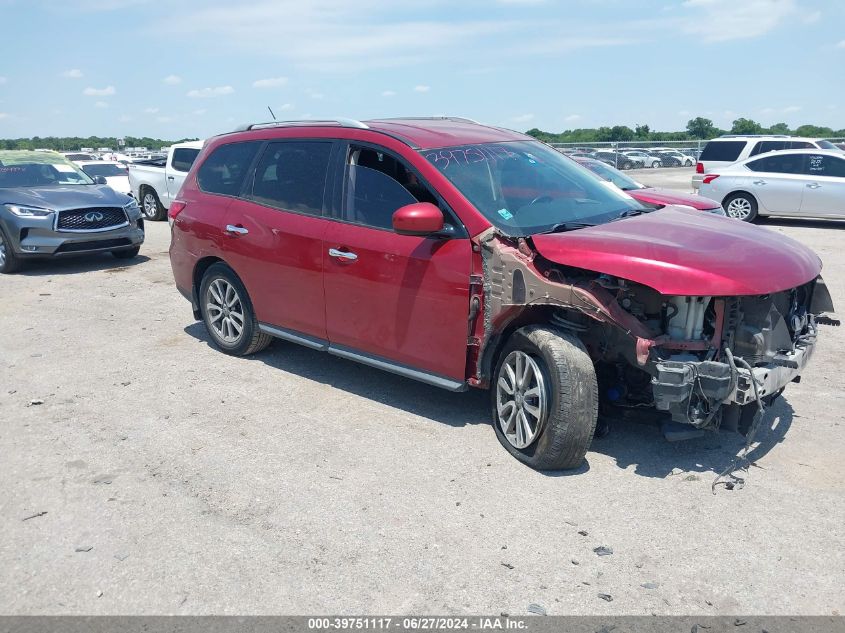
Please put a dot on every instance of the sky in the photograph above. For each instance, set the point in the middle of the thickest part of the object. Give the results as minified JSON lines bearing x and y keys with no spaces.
{"x":191,"y":68}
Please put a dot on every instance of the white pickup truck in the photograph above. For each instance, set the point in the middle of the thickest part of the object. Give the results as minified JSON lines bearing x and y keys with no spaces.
{"x":154,"y":183}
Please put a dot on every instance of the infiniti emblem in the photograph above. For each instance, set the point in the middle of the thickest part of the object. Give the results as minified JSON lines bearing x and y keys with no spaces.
{"x":94,"y":216}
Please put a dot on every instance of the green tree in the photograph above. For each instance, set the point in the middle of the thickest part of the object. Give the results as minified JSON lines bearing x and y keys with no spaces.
{"x":779,"y":128}
{"x":813,"y":130}
{"x":699,"y":127}
{"x":621,"y":133}
{"x":642,"y":131}
{"x":746,"y":126}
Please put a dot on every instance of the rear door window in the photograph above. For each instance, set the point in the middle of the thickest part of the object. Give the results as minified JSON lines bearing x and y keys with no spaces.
{"x":223,"y":172}
{"x":763,"y":147}
{"x":722,"y":150}
{"x":779,"y":164}
{"x":183,"y":158}
{"x":291,"y":176}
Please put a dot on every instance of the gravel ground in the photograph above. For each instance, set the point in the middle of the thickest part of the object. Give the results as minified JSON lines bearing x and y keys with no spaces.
{"x":165,"y":477}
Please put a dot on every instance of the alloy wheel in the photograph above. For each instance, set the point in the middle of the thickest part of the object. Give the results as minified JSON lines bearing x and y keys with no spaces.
{"x":225,"y":311}
{"x":739,"y":208}
{"x":149,"y":204}
{"x":521,"y":400}
{"x":2,"y":251}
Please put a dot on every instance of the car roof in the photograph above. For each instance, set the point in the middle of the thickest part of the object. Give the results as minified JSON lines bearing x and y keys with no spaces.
{"x":95,"y":162}
{"x":787,"y":152}
{"x":418,"y":132}
{"x":762,"y":137}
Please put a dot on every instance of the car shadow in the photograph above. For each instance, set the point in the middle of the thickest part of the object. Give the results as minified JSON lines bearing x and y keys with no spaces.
{"x":630,"y":443}
{"x":810,"y":224}
{"x":76,"y":265}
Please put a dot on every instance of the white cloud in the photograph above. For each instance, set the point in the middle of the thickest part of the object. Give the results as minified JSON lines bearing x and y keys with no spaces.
{"x":272,"y":82}
{"x":150,"y":110}
{"x":792,"y":108}
{"x":172,"y":80}
{"x":840,"y":44}
{"x":3,"y":80}
{"x":124,"y":118}
{"x":108,"y":91}
{"x":101,"y":104}
{"x":204,"y":93}
{"x":768,"y":111}
{"x":108,"y":5}
{"x":286,"y":106}
{"x":683,"y":113}
{"x":200,"y":112}
{"x":164,"y":119}
{"x":812,"y":18}
{"x":522,"y":118}
{"x":73,"y":73}
{"x":723,"y":20}
{"x":572,"y":118}
{"x":313,"y":94}
{"x":422,"y":88}
{"x":4,"y":115}
{"x":388,"y":93}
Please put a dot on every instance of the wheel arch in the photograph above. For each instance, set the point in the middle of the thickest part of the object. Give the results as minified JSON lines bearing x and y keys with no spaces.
{"x":202,"y":265}
{"x":743,"y":192}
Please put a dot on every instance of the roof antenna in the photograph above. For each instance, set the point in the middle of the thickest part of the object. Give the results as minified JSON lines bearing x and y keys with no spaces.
{"x":271,"y":113}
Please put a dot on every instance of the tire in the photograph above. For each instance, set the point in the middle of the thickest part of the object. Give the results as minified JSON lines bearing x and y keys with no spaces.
{"x":655,"y":164}
{"x":9,"y":261}
{"x":127,"y":254}
{"x":564,"y":381}
{"x":214,"y":293}
{"x":626,"y":165}
{"x":151,"y":206}
{"x":688,"y":163}
{"x":740,"y":206}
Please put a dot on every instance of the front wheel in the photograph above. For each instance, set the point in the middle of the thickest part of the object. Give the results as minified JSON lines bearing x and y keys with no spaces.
{"x":227,"y":313}
{"x":9,"y":262}
{"x":655,"y":164}
{"x":545,"y":398}
{"x":741,"y":206}
{"x":127,"y":254}
{"x":627,"y":165}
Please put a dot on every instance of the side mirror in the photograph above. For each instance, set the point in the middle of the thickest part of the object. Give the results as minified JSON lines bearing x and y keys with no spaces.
{"x":100,"y":180}
{"x":420,"y":218}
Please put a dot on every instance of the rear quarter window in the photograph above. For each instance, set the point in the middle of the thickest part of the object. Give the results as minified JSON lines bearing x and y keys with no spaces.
{"x":722,"y":150}
{"x":183,"y":158}
{"x":224,"y":170}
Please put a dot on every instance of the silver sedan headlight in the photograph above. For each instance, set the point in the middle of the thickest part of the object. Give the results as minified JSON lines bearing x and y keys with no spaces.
{"x":28,"y":212}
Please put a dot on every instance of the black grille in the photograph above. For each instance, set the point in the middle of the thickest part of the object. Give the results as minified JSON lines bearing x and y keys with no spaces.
{"x":91,"y":219}
{"x":75,"y":247}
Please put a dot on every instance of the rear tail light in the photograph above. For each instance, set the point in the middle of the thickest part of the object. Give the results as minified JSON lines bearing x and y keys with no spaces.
{"x":175,"y":209}
{"x":699,"y":168}
{"x":709,"y":178}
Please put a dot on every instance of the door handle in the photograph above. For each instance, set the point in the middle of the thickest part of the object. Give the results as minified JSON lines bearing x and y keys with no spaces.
{"x":171,"y":177}
{"x":759,"y":182}
{"x":813,"y":185}
{"x":333,"y":252}
{"x":236,"y":230}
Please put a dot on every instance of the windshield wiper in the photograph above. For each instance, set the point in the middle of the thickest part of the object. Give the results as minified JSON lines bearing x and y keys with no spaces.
{"x":629,"y":213}
{"x":561,"y":227}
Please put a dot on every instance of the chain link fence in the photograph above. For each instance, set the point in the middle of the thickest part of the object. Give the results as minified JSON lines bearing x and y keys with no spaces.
{"x":637,"y":154}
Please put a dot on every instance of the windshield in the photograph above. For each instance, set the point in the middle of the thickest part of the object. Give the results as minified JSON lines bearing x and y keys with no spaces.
{"x":38,"y":169}
{"x":606,"y":172}
{"x":107,"y":170}
{"x":525,"y":187}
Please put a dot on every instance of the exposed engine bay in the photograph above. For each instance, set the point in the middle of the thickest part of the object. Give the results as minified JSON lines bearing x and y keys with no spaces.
{"x":700,"y":359}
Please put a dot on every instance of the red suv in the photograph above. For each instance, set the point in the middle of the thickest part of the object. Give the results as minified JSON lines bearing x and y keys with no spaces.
{"x":465,"y":255}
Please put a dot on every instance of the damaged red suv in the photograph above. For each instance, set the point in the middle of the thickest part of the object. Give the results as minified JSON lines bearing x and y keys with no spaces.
{"x":464,"y":255}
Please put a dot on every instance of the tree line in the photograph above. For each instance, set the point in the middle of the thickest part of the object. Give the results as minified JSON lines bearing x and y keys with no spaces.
{"x":74,"y":143}
{"x":698,"y":128}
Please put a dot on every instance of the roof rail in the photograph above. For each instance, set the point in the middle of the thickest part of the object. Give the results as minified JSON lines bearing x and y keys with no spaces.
{"x":342,"y":122}
{"x":431,"y":118}
{"x":755,"y":136}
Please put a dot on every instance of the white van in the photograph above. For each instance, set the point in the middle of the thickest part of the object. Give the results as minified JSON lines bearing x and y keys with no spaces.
{"x":731,"y":148}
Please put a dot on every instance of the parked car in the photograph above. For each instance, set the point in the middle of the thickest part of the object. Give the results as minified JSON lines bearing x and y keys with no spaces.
{"x":79,"y":156}
{"x":648,"y":196}
{"x":116,"y":175}
{"x":732,"y":148}
{"x":615,"y":159}
{"x":469,"y":256}
{"x":155,"y":183}
{"x":644,"y":158}
{"x":802,"y":183}
{"x":673,"y":158}
{"x":51,"y":208}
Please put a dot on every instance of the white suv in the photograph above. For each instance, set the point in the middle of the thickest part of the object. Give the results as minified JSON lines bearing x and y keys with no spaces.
{"x":731,"y":148}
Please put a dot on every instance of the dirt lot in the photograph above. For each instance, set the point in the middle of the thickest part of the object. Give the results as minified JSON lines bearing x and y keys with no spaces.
{"x":165,"y":477}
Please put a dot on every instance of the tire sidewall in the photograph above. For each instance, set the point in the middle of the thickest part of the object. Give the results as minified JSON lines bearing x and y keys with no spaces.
{"x":752,"y":215}
{"x":157,"y":214}
{"x":222,"y":271}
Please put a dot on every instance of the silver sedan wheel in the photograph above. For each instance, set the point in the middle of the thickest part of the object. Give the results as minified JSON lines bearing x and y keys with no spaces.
{"x":149,"y":205}
{"x":225,"y":311}
{"x":2,"y":251}
{"x":739,"y":208}
{"x":521,"y":400}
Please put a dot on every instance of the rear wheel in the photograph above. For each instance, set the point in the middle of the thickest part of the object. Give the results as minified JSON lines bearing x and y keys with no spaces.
{"x":9,"y":262}
{"x":627,"y":165}
{"x":227,"y":313}
{"x":545,"y":398}
{"x":655,"y":164}
{"x":151,"y":206}
{"x":741,"y":206}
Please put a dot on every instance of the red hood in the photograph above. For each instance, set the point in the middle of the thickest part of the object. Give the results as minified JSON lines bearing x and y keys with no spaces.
{"x":682,"y":252}
{"x":652,"y":195}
